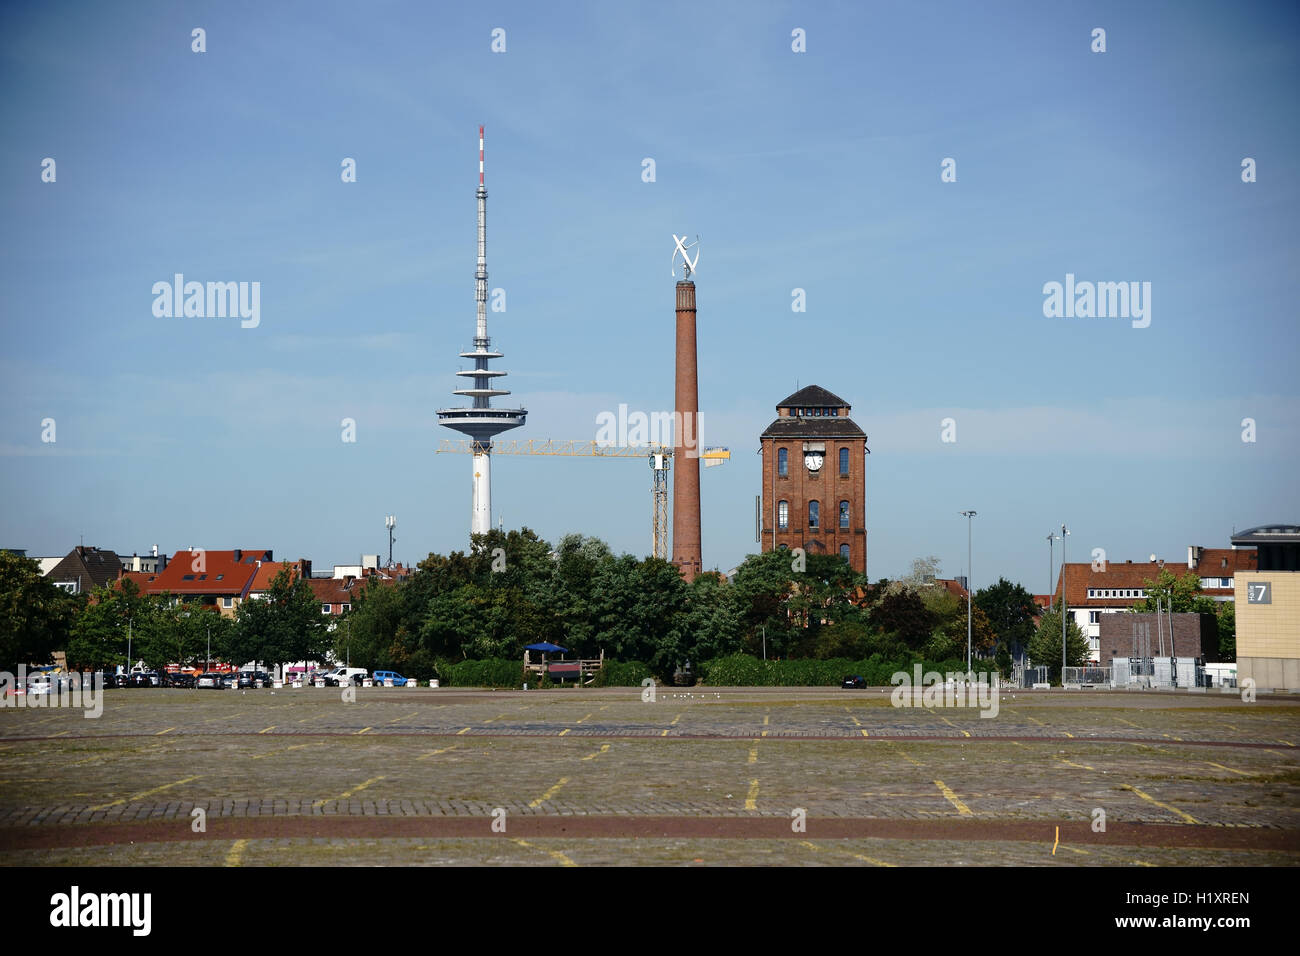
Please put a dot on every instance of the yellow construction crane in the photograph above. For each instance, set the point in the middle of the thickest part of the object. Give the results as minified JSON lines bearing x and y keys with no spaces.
{"x":659,"y":456}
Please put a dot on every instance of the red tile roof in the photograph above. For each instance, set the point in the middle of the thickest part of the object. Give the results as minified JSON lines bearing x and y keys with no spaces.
{"x":226,"y":573}
{"x":269,"y":569}
{"x":1132,"y":575}
{"x":333,"y":590}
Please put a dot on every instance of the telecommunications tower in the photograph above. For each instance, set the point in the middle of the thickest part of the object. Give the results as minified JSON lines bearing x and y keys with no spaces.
{"x":481,"y":421}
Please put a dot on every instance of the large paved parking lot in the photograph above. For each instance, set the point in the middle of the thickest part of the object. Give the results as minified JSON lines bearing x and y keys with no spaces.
{"x":699,"y":776}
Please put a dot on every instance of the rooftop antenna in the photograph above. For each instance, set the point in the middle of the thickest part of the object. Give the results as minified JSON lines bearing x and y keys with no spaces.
{"x":390,"y":522}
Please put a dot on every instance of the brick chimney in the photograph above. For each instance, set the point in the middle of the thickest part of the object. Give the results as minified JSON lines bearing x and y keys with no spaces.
{"x":687,"y":555}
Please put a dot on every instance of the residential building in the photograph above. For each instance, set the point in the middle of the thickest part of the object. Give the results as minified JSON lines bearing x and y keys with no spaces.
{"x":1095,"y":589}
{"x":217,"y":578}
{"x":85,"y":568}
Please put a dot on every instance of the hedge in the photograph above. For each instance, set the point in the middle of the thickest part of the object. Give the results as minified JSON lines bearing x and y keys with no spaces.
{"x":742,"y":670}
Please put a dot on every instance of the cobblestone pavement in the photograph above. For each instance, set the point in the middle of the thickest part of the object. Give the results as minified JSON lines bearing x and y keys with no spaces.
{"x":1200,"y":764}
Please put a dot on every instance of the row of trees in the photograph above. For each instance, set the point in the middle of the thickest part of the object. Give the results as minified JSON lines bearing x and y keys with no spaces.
{"x":513,"y":588}
{"x":118,"y":625}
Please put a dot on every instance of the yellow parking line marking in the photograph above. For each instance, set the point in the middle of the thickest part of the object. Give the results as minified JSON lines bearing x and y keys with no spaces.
{"x":965,"y":733}
{"x":1287,"y":742}
{"x":750,"y":800}
{"x":146,"y":793}
{"x":1230,"y":727}
{"x":1187,"y":817}
{"x":236,"y":853}
{"x":285,"y":750}
{"x":1129,"y":722}
{"x":404,"y":716}
{"x":161,"y":732}
{"x":604,"y":748}
{"x":1179,"y":739}
{"x":952,"y":798}
{"x":62,"y":732}
{"x":865,"y":734}
{"x":1035,"y":720}
{"x":1058,"y":838}
{"x":1068,"y":734}
{"x":554,"y":854}
{"x":497,"y":717}
{"x":673,"y":722}
{"x":909,"y":759}
{"x":857,"y":856}
{"x":1278,"y":752}
{"x":267,"y":730}
{"x":1071,"y":763}
{"x":753,"y":755}
{"x":434,"y":753}
{"x":1075,"y":849}
{"x":1140,"y":863}
{"x":1229,"y":769}
{"x":564,"y":731}
{"x":348,"y":793}
{"x":582,"y":719}
{"x":548,"y":794}
{"x":765,"y":716}
{"x":461,"y":731}
{"x":362,"y":730}
{"x":664,"y":734}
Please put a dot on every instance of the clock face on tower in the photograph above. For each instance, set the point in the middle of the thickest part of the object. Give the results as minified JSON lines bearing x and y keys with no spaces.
{"x":813,"y":461}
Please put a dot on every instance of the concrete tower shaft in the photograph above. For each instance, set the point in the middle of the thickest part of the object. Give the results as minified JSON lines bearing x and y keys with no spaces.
{"x":687,"y":554}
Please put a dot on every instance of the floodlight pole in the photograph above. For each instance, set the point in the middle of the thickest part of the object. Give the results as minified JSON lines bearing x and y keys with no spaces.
{"x":1064,"y":532}
{"x":970,"y":583}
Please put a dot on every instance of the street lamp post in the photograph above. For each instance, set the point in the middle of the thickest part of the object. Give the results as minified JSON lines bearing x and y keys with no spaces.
{"x":1051,"y":565}
{"x":128,"y":645}
{"x":1064,"y":532}
{"x":970,"y":585}
{"x":763,"y":628}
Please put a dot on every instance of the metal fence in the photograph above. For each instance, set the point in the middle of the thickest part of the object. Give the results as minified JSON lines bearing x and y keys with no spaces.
{"x":1087,"y":675}
{"x":1029,"y":676}
{"x":1157,"y":672}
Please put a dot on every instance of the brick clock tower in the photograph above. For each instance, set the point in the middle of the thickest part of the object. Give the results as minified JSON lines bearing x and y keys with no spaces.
{"x":814,"y":478}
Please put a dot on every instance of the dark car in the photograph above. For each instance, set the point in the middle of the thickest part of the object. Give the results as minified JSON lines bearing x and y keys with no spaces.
{"x":111,"y":681}
{"x":853,"y":682}
{"x":230,"y":680}
{"x":142,"y":679}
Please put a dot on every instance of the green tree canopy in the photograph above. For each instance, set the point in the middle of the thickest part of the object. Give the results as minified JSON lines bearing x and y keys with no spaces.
{"x":1045,"y":645}
{"x":35,"y":615}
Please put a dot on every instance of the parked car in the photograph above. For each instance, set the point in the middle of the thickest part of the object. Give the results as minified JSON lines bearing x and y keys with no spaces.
{"x":382,"y":677}
{"x":208,"y":679}
{"x":40,"y":684}
{"x":345,"y":675}
{"x":229,"y":681}
{"x":142,"y":679}
{"x":179,"y":680}
{"x":853,"y":682}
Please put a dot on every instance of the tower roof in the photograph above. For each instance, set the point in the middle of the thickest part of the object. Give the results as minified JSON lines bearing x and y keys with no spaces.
{"x":798,"y":427}
{"x":813,"y":396}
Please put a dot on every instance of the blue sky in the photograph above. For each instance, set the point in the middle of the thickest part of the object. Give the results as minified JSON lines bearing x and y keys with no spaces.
{"x":817,"y":170}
